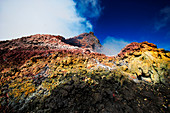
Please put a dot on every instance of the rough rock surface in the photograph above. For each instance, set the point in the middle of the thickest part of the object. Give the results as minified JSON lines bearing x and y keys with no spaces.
{"x":46,"y":73}
{"x":146,"y":61}
{"x":19,"y":50}
{"x":85,"y":40}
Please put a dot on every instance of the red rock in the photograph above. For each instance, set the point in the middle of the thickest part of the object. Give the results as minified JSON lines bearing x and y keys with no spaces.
{"x":17,"y":51}
{"x":134,"y":46}
{"x":85,"y":40}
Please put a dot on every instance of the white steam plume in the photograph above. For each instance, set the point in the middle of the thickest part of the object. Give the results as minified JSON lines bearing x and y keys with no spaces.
{"x":112,"y":46}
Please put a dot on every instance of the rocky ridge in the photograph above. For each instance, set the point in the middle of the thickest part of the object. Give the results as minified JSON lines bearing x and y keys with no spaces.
{"x":19,"y":50}
{"x":46,"y":73}
{"x":85,"y":40}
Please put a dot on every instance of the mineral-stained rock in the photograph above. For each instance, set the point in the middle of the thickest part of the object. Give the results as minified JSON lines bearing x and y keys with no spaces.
{"x":146,"y":60}
{"x":46,"y":73}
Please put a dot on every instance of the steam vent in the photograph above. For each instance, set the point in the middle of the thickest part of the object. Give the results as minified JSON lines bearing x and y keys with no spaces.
{"x":50,"y":74}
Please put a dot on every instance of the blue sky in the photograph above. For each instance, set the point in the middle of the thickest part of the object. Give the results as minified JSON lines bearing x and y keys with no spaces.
{"x":134,"y":20}
{"x":115,"y":22}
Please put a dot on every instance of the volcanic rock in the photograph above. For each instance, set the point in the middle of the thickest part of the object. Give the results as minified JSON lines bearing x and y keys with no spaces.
{"x":146,"y":61}
{"x":47,"y":73}
{"x":17,"y":51}
{"x":85,"y":40}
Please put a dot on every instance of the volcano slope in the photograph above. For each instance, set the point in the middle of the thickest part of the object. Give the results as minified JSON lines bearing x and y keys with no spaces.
{"x":46,"y":73}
